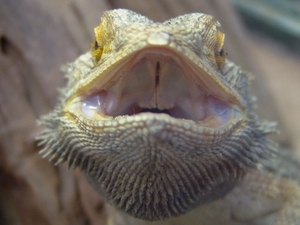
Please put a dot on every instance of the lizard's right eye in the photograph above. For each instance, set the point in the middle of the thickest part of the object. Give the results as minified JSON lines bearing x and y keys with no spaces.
{"x":103,"y":39}
{"x":96,"y":51}
{"x":96,"y":46}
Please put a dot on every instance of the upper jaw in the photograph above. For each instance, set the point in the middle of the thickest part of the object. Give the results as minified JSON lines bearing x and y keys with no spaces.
{"x":198,"y":58}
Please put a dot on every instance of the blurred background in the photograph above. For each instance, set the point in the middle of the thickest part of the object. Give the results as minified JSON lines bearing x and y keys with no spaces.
{"x":37,"y":37}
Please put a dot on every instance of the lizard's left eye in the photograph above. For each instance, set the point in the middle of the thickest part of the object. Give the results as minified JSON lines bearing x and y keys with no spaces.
{"x":96,"y":51}
{"x":222,"y":53}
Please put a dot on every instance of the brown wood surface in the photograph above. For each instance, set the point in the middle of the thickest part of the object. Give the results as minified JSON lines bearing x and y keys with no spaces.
{"x":36,"y":38}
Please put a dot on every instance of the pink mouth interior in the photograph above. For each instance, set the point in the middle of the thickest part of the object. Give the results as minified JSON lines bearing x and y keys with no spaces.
{"x":156,"y":84}
{"x":102,"y":103}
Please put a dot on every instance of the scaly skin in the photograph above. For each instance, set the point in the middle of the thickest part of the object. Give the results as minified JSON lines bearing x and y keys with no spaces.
{"x":162,"y":125}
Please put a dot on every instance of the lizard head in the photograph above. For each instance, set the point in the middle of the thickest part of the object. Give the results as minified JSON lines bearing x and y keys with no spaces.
{"x":156,"y":116}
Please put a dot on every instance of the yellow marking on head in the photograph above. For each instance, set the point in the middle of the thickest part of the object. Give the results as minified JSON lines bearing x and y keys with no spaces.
{"x":103,"y":39}
{"x":220,"y":54}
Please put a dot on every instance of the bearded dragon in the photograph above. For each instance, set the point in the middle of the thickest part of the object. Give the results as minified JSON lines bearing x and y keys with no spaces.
{"x":162,"y":124}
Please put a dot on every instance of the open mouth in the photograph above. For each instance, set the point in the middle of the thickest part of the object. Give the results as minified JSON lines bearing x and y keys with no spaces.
{"x":159,"y":84}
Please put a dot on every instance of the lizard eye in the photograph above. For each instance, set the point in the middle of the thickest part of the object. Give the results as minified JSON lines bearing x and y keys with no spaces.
{"x":220,"y":53}
{"x":96,"y":51}
{"x":96,"y":46}
{"x":103,"y":38}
